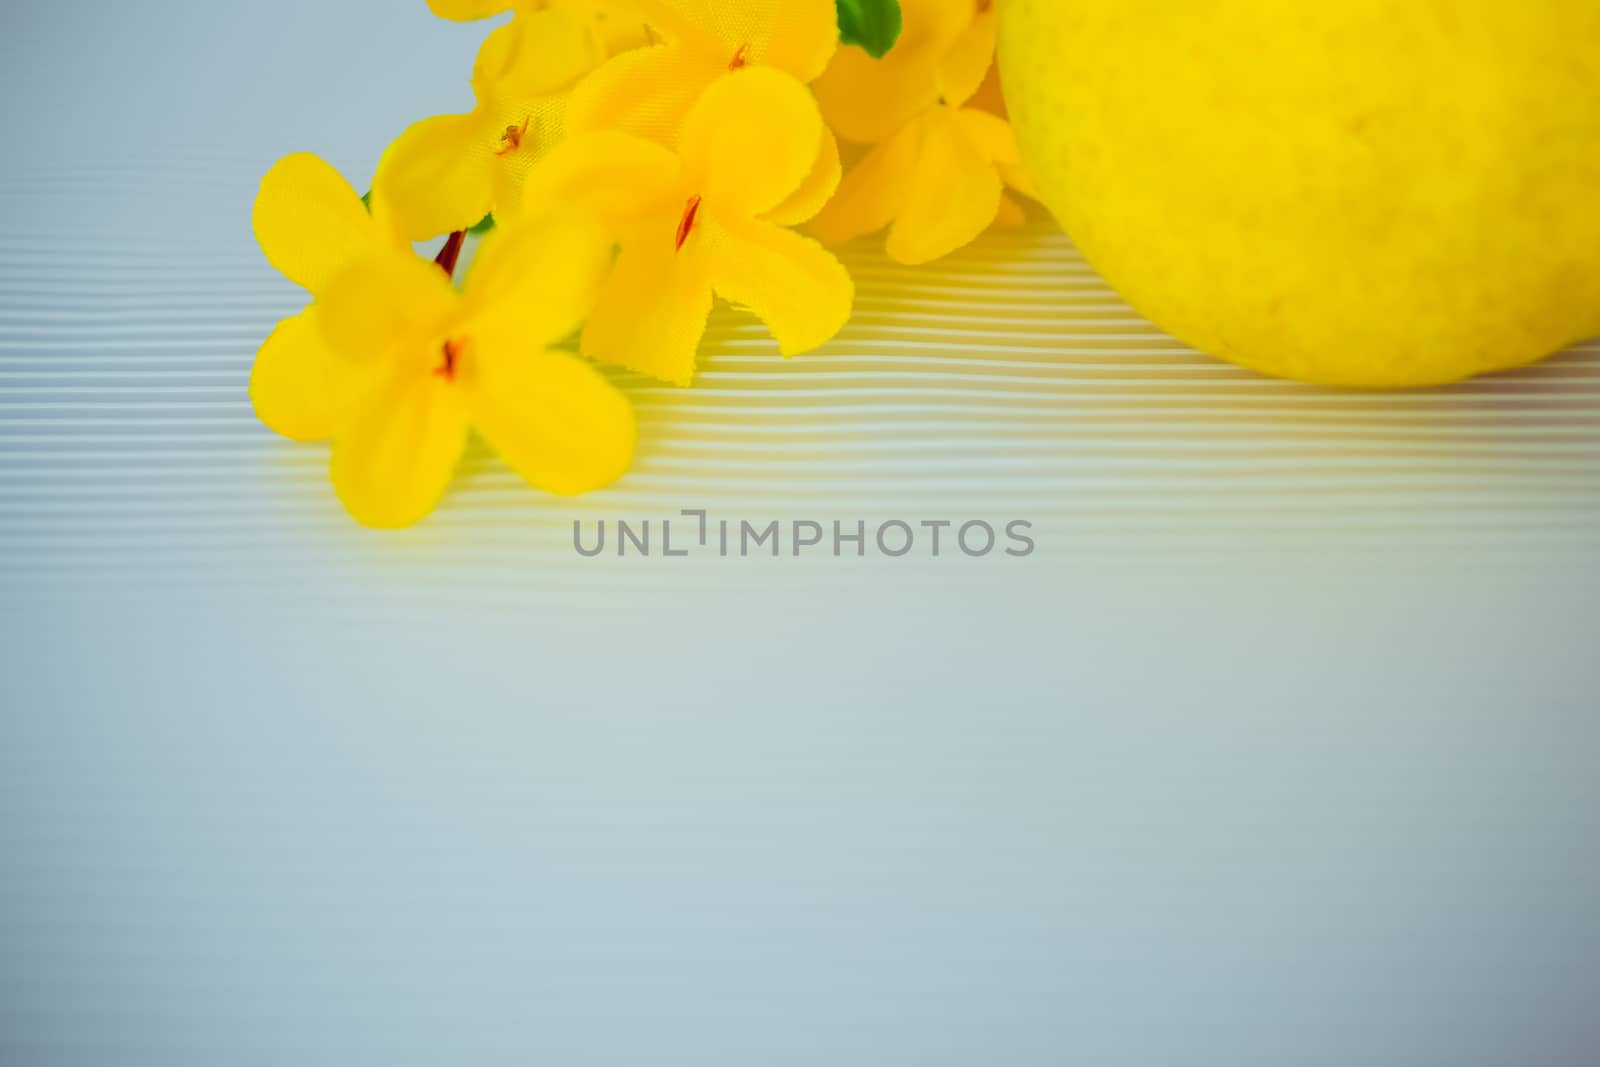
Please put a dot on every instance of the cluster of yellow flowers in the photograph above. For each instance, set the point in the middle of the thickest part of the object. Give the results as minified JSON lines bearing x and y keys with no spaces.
{"x":639,"y":158}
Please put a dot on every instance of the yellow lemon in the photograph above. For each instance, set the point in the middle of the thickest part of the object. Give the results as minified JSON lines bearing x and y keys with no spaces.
{"x":1355,"y":192}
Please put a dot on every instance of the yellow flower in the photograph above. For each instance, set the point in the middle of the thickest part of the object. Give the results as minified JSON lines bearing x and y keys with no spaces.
{"x":438,"y":363}
{"x":937,"y":172}
{"x":446,"y":173}
{"x":311,"y":224}
{"x":393,"y":364}
{"x":649,"y":92}
{"x":616,"y":24}
{"x":937,"y":184}
{"x":944,"y":50}
{"x":708,"y":219}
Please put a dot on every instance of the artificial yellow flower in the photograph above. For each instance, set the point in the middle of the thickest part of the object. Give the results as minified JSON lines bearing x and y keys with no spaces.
{"x":944,"y":50}
{"x":708,"y":219}
{"x":648,"y":92}
{"x":311,"y":224}
{"x":617,"y":25}
{"x":937,"y":184}
{"x":446,"y":173}
{"x":437,"y":363}
{"x":938,"y":170}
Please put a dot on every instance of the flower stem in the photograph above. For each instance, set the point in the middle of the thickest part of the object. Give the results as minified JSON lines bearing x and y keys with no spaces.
{"x":450,"y":254}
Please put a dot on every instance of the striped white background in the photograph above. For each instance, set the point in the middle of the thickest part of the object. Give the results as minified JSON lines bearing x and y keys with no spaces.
{"x":1007,"y":382}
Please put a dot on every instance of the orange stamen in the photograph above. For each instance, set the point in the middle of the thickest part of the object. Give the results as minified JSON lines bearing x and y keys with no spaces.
{"x":740,"y":58}
{"x":691,"y":211}
{"x":511,"y":139}
{"x":453,"y":350}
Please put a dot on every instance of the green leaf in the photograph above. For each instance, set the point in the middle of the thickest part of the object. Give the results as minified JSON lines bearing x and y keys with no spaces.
{"x":873,"y":24}
{"x":484,"y":225}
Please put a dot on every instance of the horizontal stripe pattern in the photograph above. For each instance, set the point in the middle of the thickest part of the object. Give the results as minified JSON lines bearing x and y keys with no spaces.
{"x":1007,"y":382}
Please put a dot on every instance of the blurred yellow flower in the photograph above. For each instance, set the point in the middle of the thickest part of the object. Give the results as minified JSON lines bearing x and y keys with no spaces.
{"x":708,"y":219}
{"x":446,"y":173}
{"x":311,"y":224}
{"x":649,"y":92}
{"x":617,"y":25}
{"x":436,"y":363}
{"x":944,"y":50}
{"x":937,"y":184}
{"x":938,"y":169}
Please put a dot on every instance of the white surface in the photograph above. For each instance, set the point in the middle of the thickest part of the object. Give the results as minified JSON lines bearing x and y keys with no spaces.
{"x":1282,"y":749}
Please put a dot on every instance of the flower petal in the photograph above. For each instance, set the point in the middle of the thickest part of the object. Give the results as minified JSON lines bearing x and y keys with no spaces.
{"x":935,"y":25}
{"x":790,"y":282}
{"x":615,"y":177}
{"x":798,"y":37}
{"x":395,"y":458}
{"x":554,"y":418}
{"x":620,"y":25}
{"x":751,"y":141}
{"x":468,"y":10}
{"x":967,"y":62}
{"x":535,"y":284}
{"x":300,"y":386}
{"x":646,"y":92}
{"x":870,"y":194}
{"x":384,"y":302}
{"x":437,"y":178}
{"x":997,"y":140}
{"x":867,"y":100}
{"x":1018,"y":178}
{"x":955,"y":196}
{"x":815,"y":192}
{"x":495,"y":56}
{"x":526,"y":131}
{"x":543,"y":53}
{"x":992,"y":134}
{"x":683,"y":22}
{"x":310,"y":223}
{"x":653,"y":308}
